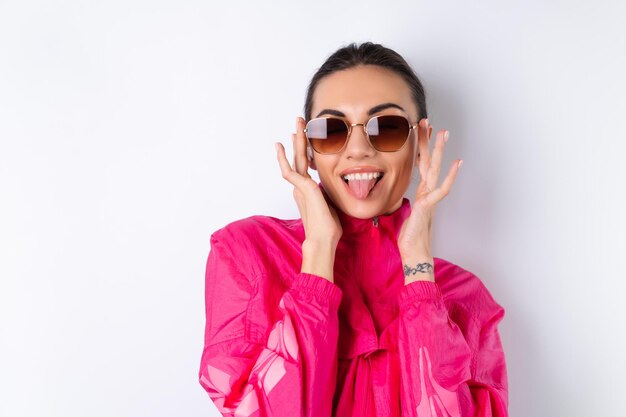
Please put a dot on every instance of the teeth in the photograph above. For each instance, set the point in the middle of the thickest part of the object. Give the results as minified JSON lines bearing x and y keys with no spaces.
{"x":362,"y":176}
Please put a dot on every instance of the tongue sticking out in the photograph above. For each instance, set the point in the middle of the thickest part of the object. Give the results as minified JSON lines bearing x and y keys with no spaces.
{"x":361,"y":188}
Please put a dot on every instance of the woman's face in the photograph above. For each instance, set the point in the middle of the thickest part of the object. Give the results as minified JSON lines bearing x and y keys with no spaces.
{"x":353,"y":92}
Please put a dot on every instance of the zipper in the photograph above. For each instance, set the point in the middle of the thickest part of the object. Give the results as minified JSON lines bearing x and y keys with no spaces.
{"x":375,"y":234}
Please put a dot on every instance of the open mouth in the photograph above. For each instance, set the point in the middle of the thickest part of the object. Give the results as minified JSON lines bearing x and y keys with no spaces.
{"x":361,"y":184}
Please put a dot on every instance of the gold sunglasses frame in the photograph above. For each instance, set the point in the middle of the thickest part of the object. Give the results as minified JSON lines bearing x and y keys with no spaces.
{"x":351,"y":125}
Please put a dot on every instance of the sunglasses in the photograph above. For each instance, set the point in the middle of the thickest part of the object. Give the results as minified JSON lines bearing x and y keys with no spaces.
{"x":386,"y":133}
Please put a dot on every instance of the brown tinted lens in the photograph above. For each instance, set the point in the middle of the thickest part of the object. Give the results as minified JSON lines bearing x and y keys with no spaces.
{"x":327,"y":135}
{"x":388,"y":133}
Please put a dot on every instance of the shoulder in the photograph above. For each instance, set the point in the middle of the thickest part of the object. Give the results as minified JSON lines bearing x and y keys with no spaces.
{"x":254,"y":240}
{"x":255,"y":229}
{"x":463,"y":290}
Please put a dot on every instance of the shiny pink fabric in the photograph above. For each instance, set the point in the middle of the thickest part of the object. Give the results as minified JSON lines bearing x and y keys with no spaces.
{"x":279,"y":342}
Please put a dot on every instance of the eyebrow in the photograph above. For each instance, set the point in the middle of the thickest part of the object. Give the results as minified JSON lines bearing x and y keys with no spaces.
{"x":371,"y":111}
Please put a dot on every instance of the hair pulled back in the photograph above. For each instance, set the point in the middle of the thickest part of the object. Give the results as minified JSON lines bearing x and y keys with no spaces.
{"x":368,"y":53}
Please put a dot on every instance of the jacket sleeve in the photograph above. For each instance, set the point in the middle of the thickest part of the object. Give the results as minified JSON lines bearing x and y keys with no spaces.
{"x":292,"y":370}
{"x":443,"y":371}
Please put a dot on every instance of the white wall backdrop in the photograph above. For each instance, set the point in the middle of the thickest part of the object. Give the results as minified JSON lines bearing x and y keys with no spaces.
{"x":131,"y":130}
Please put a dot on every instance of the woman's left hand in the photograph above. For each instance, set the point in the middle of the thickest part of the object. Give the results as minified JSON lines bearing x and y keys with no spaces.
{"x":414,"y":240}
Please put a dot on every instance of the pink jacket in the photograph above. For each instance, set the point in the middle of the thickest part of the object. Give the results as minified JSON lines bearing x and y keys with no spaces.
{"x":279,"y":342}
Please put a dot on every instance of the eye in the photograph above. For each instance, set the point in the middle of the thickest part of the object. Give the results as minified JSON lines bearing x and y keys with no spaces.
{"x":388,"y":126}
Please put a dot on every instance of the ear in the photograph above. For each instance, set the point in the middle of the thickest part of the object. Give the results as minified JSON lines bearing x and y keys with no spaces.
{"x":309,"y":155}
{"x":417,"y":157}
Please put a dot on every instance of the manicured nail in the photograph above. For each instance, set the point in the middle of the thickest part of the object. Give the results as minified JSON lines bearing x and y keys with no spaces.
{"x":445,"y":136}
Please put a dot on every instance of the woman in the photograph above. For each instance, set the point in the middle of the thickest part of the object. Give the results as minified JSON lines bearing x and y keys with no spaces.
{"x":345,"y":311}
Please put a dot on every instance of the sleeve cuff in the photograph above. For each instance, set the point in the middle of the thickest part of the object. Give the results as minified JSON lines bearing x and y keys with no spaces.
{"x":318,"y":286}
{"x":420,"y":291}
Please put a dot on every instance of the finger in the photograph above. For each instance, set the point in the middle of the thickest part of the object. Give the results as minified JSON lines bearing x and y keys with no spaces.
{"x":302,"y":163}
{"x":439,"y":193}
{"x":446,"y":185}
{"x":423,"y":148}
{"x":435,"y":164}
{"x":293,"y":146}
{"x":287,"y":172}
{"x":282,"y":159}
{"x":422,"y":188}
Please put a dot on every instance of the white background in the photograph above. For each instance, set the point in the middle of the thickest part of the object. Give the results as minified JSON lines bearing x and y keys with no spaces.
{"x":131,"y":130}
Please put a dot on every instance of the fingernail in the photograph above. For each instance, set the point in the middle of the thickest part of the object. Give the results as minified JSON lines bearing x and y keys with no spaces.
{"x":460,"y":163}
{"x":445,"y":136}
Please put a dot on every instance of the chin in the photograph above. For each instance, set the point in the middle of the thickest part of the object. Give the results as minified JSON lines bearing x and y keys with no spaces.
{"x":363,"y":209}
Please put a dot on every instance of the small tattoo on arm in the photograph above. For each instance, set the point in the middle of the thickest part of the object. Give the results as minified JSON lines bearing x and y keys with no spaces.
{"x":423,"y":267}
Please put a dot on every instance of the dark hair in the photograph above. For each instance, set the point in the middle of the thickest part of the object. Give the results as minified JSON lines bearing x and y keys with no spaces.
{"x":368,"y":53}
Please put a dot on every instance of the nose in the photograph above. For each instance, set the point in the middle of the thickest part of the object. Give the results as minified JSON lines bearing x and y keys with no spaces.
{"x":358,"y":145}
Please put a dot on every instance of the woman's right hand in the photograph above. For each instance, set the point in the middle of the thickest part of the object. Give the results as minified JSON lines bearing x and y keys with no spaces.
{"x":321,"y":223}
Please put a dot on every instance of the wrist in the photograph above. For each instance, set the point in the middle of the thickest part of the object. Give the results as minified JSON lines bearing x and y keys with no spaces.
{"x":321,"y":244}
{"x":418,"y":268}
{"x":318,"y":258}
{"x":416,"y":251}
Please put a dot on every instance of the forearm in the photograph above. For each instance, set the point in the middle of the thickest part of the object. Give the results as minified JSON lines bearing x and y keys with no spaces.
{"x":296,"y":360}
{"x":434,"y":356}
{"x":318,"y":258}
{"x":461,"y":371}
